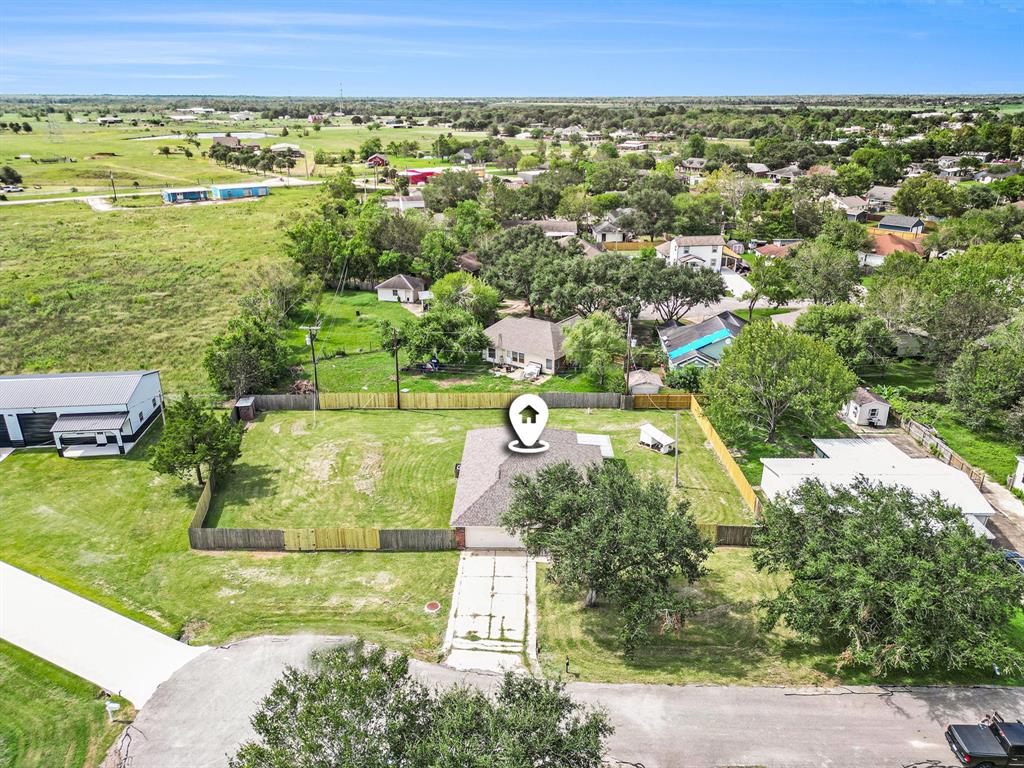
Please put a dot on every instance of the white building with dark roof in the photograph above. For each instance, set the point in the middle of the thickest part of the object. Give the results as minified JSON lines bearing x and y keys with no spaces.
{"x":401,"y":288}
{"x":78,"y":413}
{"x":696,"y":250}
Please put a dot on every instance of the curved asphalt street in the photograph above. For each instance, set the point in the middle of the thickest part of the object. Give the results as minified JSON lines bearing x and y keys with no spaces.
{"x":201,"y":714}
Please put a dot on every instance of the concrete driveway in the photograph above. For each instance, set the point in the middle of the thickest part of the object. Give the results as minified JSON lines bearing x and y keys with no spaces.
{"x":116,"y":653}
{"x":201,"y":715}
{"x":487,"y":621}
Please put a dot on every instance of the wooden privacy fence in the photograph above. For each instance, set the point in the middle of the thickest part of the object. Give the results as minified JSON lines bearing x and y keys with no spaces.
{"x":722,"y":451}
{"x":728,"y":535}
{"x":676,"y":401}
{"x":265,"y":539}
{"x":308,"y":539}
{"x":930,"y":439}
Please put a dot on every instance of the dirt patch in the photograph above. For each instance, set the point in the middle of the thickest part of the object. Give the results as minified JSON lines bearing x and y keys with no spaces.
{"x":379,"y":580}
{"x":320,"y":465}
{"x":228,"y":592}
{"x":299,"y":428}
{"x":370,"y":469}
{"x":193,"y":628}
{"x":445,"y":383}
{"x":276,"y":429}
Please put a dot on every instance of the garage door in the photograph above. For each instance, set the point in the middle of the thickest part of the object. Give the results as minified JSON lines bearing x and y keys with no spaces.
{"x":35,"y":427}
{"x":5,"y":437}
{"x":486,"y":537}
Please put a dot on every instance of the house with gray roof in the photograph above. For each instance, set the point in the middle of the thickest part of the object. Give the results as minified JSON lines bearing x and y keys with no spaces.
{"x":896,"y":223}
{"x":520,"y":341}
{"x":695,"y":250}
{"x":880,"y":197}
{"x":78,"y":413}
{"x":700,"y":344}
{"x":483,"y":490}
{"x":401,"y":288}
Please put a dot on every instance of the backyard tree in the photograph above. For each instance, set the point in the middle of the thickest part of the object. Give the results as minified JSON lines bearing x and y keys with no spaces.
{"x":450,"y":333}
{"x":249,"y":359}
{"x":926,"y":195}
{"x":592,"y":344}
{"x":770,"y":279}
{"x":675,"y":290}
{"x":9,"y":175}
{"x":987,"y":377}
{"x":890,"y":580}
{"x":463,"y":291}
{"x":358,"y":708}
{"x":515,"y":260}
{"x":194,"y":437}
{"x":861,"y":339}
{"x":613,"y":537}
{"x":825,"y":273}
{"x":772,"y":375}
{"x":451,"y":188}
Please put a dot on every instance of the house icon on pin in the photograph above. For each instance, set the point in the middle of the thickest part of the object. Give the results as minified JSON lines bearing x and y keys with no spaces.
{"x":529,"y":415}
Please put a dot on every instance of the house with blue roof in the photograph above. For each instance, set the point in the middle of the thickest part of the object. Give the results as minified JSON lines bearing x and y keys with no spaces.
{"x":701,"y":344}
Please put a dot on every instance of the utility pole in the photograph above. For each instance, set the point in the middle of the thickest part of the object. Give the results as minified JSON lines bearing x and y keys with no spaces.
{"x":677,"y":449}
{"x":112,"y":186}
{"x":398,"y":381}
{"x":311,"y":333}
{"x":627,"y":361}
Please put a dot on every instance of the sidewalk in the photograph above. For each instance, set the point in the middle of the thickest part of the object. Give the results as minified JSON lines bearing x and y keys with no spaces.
{"x":118,"y":654}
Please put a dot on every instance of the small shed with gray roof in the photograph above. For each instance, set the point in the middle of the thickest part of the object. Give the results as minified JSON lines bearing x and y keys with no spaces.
{"x":64,"y":410}
{"x":483,"y":490}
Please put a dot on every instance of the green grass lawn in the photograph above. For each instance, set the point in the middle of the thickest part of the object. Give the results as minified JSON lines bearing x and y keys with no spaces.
{"x":721,"y":644}
{"x":48,"y":717}
{"x":909,"y":373}
{"x":351,"y":359}
{"x":790,"y":442}
{"x":146,"y":288}
{"x":396,"y":469}
{"x":113,"y":531}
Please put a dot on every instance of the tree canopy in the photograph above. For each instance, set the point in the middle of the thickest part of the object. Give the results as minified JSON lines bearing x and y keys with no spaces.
{"x":194,"y":437}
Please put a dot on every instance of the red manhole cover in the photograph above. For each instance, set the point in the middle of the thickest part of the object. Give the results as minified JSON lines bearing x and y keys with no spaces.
{"x":432,"y":607}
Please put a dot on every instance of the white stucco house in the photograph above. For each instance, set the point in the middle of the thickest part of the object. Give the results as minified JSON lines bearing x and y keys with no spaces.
{"x":79,"y":413}
{"x":401,"y":288}
{"x":866,"y":409}
{"x":696,"y":250}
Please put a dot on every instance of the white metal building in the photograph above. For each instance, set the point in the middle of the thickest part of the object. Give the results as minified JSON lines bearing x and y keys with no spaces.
{"x":106,"y":412}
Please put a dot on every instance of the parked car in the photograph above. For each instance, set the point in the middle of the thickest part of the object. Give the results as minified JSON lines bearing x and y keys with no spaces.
{"x":1016,"y":558}
{"x":992,"y":743}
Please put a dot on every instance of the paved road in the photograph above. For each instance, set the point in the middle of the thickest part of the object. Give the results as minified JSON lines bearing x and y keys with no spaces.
{"x":202,"y":713}
{"x":118,"y":654}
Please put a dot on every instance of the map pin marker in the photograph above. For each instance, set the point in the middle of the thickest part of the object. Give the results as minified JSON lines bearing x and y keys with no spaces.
{"x":528,"y":415}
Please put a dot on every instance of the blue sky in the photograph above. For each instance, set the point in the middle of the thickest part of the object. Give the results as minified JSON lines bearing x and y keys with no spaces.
{"x":492,"y":48}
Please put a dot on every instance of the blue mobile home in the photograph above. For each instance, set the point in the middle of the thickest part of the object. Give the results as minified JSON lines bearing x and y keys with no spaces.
{"x":187,"y":195}
{"x":235,"y":191}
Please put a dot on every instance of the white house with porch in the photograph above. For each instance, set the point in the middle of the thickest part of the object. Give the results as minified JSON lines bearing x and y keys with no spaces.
{"x":696,"y":250}
{"x":79,"y":414}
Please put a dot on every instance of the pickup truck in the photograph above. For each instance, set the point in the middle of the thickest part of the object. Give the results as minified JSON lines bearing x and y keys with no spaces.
{"x":993,"y":743}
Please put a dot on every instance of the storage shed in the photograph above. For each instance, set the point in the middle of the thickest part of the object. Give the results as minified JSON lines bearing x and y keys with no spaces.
{"x":236,"y":191}
{"x":654,"y":438}
{"x":79,"y":413}
{"x":185,"y":195}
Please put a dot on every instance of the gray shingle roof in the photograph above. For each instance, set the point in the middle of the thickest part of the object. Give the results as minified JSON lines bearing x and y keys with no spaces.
{"x":402,"y":281}
{"x":895,"y":220}
{"x":699,"y":240}
{"x":530,"y":335}
{"x":674,"y":337}
{"x":863,"y":396}
{"x":483,"y":491}
{"x":67,"y":390}
{"x":89,"y":422}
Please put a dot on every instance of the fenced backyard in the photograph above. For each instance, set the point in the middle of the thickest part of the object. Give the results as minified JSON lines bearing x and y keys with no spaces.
{"x":341,"y":480}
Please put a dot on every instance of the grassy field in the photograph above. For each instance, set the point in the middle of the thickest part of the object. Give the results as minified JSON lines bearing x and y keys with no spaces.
{"x":146,"y":288}
{"x":721,"y":644}
{"x":48,"y":717}
{"x":113,"y":531}
{"x":351,"y":359}
{"x":396,"y":469}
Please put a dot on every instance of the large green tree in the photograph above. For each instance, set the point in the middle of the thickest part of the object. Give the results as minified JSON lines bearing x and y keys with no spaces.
{"x":592,"y":343}
{"x":249,"y":359}
{"x":674,"y":290}
{"x":450,"y":188}
{"x":194,"y":437}
{"x":770,"y":279}
{"x":891,"y":581}
{"x":354,"y":707}
{"x":926,"y":195}
{"x":771,"y":376}
{"x":463,"y":291}
{"x":450,"y":333}
{"x":516,"y":259}
{"x":614,"y":537}
{"x":825,"y":273}
{"x":987,"y":377}
{"x":861,"y":339}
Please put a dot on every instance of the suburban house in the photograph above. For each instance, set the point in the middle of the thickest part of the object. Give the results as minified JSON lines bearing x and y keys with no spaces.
{"x":376,"y":160}
{"x":405,"y":202}
{"x":788,"y":173}
{"x":185,"y":195}
{"x":695,"y":164}
{"x":632,"y":145}
{"x":464,"y":155}
{"x":401,"y":288}
{"x":695,"y":250}
{"x":528,"y":177}
{"x":417,"y":177}
{"x":588,"y":249}
{"x":760,"y":170}
{"x":232,"y":142}
{"x":520,"y":341}
{"x":879,"y":198}
{"x":866,"y":409}
{"x":854,"y":206}
{"x":555,"y":228}
{"x":839,"y":462}
{"x":237,"y":191}
{"x":779,"y":249}
{"x":608,"y":230}
{"x":643,"y":383}
{"x":483,"y":489}
{"x":701,"y":344}
{"x":883,"y":245}
{"x":897,"y":223}
{"x":78,"y":413}
{"x":468,"y":262}
{"x":284,"y":148}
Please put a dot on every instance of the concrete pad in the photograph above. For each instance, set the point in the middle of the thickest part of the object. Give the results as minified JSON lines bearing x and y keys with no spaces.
{"x":507,"y":585}
{"x":511,"y":565}
{"x":116,"y":653}
{"x":484,"y":661}
{"x":478,"y":564}
{"x":5,"y":452}
{"x":474,"y":596}
{"x":476,"y":625}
